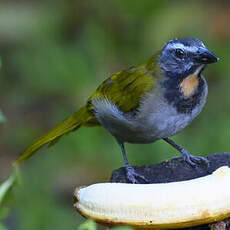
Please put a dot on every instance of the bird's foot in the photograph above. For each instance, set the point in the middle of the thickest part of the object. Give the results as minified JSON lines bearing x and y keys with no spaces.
{"x":134,"y":177}
{"x":194,"y":160}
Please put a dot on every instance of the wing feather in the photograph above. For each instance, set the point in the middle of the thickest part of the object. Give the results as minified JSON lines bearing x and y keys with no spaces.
{"x":125,"y":88}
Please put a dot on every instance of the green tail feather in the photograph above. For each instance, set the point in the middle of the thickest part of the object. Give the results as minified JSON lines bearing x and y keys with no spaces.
{"x":70,"y":124}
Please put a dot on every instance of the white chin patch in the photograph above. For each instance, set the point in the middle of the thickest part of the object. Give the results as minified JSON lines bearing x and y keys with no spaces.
{"x":197,"y":71}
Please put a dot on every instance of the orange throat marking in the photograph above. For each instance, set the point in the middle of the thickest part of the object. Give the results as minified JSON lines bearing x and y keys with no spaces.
{"x":189,"y":85}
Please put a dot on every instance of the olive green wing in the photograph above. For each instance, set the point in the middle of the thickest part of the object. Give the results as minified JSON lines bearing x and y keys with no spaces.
{"x":125,"y":88}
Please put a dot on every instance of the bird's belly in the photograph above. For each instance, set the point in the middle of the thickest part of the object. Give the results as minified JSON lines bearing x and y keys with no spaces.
{"x":159,"y":125}
{"x":158,"y":119}
{"x":150,"y":124}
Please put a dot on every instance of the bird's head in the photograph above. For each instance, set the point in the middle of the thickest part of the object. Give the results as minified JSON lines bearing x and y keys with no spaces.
{"x":185,"y":56}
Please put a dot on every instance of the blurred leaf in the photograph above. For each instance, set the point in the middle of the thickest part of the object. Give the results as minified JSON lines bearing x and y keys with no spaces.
{"x":88,"y":225}
{"x":2,"y":227}
{"x":122,"y":228}
{"x":4,"y":213}
{"x":6,"y":186}
{"x":2,"y":117}
{"x":91,"y":225}
{"x":15,"y":26}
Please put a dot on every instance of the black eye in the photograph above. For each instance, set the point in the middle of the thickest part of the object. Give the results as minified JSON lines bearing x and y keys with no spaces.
{"x":179,"y":53}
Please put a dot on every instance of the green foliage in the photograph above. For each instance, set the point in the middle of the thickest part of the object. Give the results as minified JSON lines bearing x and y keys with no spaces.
{"x":122,"y":228}
{"x":2,"y":227}
{"x":6,"y":188}
{"x":2,"y":117}
{"x":91,"y":225}
{"x":6,"y":195}
{"x":88,"y":225}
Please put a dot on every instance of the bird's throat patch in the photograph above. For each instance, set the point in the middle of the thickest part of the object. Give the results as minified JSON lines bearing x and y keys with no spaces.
{"x":189,"y":85}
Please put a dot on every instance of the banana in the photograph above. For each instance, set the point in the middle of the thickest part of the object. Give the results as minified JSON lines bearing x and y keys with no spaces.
{"x":158,"y":206}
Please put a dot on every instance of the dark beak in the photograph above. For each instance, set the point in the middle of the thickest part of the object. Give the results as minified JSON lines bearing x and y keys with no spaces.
{"x":205,"y":56}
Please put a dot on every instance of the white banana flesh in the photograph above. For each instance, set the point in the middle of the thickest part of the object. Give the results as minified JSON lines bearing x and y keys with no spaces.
{"x":160,"y":206}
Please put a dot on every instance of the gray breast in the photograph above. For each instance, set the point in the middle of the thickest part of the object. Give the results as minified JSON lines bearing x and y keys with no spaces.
{"x":163,"y":119}
{"x":154,"y":119}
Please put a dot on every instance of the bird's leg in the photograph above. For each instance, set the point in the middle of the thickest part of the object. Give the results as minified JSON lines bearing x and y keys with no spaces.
{"x":131,"y":174}
{"x":188,"y":157}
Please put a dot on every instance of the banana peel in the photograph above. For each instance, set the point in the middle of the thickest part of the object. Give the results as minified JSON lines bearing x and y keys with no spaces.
{"x":171,"y":205}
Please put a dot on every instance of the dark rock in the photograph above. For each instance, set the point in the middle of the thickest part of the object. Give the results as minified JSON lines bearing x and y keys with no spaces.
{"x":175,"y":170}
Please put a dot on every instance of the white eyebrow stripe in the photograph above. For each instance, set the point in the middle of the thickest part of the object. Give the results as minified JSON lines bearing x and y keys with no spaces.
{"x":183,"y":47}
{"x":176,"y":46}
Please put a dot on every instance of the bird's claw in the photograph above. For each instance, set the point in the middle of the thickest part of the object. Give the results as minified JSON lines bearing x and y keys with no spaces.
{"x":133,"y":177}
{"x":194,"y":160}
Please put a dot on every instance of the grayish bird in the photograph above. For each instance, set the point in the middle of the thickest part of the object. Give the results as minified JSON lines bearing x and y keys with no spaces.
{"x":142,"y":104}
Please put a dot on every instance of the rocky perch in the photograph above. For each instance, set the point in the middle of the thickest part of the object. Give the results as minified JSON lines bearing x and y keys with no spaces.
{"x":177,"y":170}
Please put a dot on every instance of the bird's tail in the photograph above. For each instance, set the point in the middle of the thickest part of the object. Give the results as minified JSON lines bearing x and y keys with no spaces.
{"x":81,"y":117}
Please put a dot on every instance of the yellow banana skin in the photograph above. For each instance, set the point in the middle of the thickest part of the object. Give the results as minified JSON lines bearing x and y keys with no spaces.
{"x":158,"y":206}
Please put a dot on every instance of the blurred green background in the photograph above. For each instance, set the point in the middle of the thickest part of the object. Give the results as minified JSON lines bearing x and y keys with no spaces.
{"x":55,"y":53}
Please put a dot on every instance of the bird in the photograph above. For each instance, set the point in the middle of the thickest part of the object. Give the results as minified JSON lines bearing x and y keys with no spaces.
{"x":145,"y":103}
